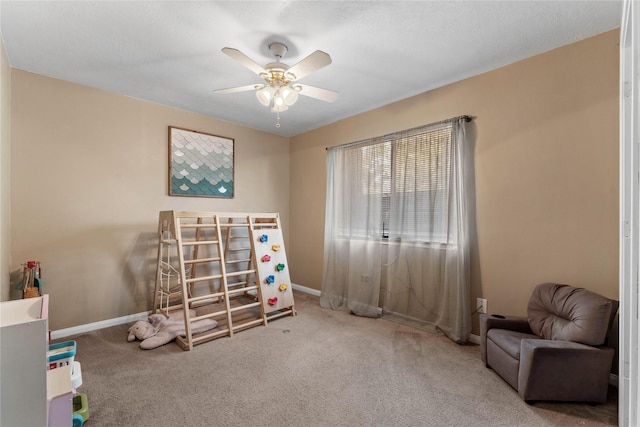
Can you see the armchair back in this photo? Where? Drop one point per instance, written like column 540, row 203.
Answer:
column 566, row 313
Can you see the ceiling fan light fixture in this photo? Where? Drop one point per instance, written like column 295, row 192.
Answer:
column 275, row 108
column 265, row 95
column 278, row 99
column 289, row 94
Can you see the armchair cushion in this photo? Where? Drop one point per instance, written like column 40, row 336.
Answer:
column 566, row 313
column 511, row 323
column 509, row 341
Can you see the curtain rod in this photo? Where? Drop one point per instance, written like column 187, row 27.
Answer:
column 466, row 118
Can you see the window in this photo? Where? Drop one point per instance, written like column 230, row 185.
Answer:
column 411, row 174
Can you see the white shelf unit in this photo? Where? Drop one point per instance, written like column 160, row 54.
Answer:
column 24, row 339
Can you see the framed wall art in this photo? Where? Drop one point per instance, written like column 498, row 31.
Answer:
column 200, row 164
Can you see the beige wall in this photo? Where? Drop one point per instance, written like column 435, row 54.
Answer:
column 89, row 176
column 5, row 172
column 546, row 168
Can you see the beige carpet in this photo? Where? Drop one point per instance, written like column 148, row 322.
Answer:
column 320, row 368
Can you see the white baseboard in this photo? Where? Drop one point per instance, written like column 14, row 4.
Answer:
column 475, row 339
column 306, row 289
column 89, row 327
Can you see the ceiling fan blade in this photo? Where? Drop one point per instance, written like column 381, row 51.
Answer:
column 244, row 60
column 239, row 89
column 318, row 93
column 311, row 63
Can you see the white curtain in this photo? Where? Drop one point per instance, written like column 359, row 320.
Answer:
column 353, row 229
column 396, row 228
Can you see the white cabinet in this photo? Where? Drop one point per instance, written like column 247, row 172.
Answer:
column 23, row 362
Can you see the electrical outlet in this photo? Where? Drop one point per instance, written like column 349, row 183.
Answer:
column 481, row 304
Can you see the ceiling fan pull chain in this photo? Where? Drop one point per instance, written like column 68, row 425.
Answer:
column 278, row 116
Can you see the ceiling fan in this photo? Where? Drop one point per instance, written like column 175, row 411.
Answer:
column 280, row 90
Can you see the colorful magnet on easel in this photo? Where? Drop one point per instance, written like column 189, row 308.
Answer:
column 264, row 238
column 265, row 258
column 283, row 287
column 273, row 300
column 270, row 279
column 280, row 267
column 275, row 248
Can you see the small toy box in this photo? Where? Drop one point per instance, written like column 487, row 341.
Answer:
column 61, row 354
column 80, row 409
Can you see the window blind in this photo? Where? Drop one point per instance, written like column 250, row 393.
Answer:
column 407, row 175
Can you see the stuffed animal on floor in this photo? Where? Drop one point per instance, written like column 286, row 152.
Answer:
column 141, row 330
column 159, row 330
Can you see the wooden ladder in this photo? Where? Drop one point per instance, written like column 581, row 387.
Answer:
column 238, row 250
column 209, row 267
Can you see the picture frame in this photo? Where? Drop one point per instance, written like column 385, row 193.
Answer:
column 200, row 164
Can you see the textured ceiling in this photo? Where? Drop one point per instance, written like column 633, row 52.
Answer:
column 169, row 52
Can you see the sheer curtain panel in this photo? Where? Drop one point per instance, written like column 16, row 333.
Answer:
column 353, row 229
column 396, row 228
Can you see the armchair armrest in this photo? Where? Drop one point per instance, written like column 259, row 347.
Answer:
column 489, row 321
column 563, row 370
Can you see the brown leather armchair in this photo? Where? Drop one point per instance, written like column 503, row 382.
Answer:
column 559, row 353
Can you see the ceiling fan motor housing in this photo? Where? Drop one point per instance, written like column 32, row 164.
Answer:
column 278, row 49
column 277, row 72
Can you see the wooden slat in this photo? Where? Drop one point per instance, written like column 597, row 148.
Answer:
column 201, row 260
column 241, row 290
column 223, row 215
column 237, row 261
column 200, row 279
column 208, row 315
column 171, row 308
column 195, row 225
column 199, row 242
column 244, row 307
column 198, row 339
column 205, row 302
column 247, row 325
column 278, row 314
column 240, row 273
column 204, row 297
column 204, row 337
column 236, row 284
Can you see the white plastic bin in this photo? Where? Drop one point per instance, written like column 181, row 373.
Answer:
column 61, row 354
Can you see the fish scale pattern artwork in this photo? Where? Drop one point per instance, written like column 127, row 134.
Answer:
column 201, row 164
